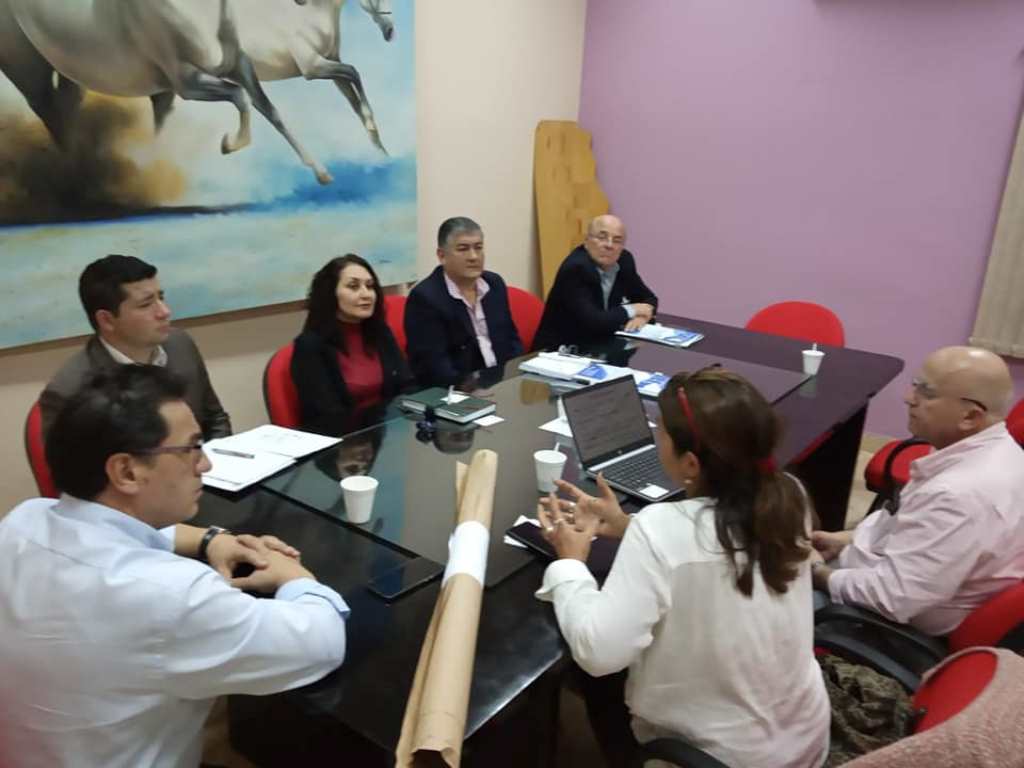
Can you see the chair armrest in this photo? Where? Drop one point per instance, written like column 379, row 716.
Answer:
column 933, row 649
column 1014, row 639
column 677, row 752
column 860, row 652
column 888, row 485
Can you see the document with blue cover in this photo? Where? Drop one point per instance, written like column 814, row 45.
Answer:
column 663, row 334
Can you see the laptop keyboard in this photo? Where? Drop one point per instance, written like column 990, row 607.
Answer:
column 638, row 472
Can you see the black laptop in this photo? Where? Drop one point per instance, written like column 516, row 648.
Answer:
column 613, row 437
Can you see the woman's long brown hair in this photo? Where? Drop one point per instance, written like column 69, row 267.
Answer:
column 733, row 431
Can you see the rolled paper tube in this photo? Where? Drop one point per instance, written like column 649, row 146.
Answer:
column 467, row 551
column 434, row 726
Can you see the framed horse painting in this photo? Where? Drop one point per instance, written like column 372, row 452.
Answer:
column 235, row 144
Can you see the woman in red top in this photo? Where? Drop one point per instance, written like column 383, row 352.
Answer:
column 346, row 362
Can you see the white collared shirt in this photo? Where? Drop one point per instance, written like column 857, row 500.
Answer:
column 159, row 354
column 113, row 648
column 733, row 675
column 957, row 539
column 476, row 317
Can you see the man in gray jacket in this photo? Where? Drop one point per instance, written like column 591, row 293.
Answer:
column 125, row 305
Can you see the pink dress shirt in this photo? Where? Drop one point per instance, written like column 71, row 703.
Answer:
column 957, row 539
column 476, row 317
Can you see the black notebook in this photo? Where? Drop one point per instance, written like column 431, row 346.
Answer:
column 461, row 408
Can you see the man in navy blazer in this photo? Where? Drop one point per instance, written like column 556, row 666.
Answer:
column 596, row 292
column 457, row 319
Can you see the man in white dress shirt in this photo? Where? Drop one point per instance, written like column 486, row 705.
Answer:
column 957, row 537
column 120, row 625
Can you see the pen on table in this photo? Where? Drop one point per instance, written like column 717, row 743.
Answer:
column 238, row 454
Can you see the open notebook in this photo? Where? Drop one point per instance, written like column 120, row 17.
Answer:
column 245, row 458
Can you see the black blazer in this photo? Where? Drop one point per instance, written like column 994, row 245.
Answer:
column 325, row 403
column 574, row 312
column 440, row 338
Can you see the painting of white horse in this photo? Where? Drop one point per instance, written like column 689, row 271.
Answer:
column 187, row 48
column 122, row 123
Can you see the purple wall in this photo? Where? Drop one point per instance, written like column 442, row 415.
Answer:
column 851, row 152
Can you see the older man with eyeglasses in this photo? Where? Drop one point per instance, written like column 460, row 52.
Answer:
column 596, row 292
column 957, row 535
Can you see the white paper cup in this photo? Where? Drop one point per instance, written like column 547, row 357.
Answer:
column 358, row 492
column 549, row 465
column 812, row 360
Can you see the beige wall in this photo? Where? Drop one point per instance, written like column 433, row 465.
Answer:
column 486, row 73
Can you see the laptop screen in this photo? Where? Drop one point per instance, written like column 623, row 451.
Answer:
column 607, row 419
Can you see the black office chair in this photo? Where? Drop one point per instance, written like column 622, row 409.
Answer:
column 904, row 653
column 862, row 636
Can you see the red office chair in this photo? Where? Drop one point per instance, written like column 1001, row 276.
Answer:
column 952, row 688
column 36, row 453
column 889, row 468
column 805, row 321
column 983, row 734
column 394, row 314
column 800, row 320
column 1015, row 422
column 903, row 652
column 526, row 313
column 279, row 395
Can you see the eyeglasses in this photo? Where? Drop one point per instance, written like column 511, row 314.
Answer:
column 926, row 391
column 196, row 446
column 606, row 238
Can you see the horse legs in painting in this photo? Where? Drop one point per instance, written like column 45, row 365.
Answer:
column 235, row 81
column 162, row 103
column 245, row 74
column 347, row 79
column 195, row 85
column 52, row 97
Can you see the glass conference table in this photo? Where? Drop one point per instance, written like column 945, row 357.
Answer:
column 519, row 648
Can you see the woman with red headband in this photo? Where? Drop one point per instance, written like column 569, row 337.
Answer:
column 708, row 603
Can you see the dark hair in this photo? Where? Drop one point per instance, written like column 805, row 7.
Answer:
column 322, row 304
column 99, row 286
column 760, row 511
column 115, row 412
column 454, row 226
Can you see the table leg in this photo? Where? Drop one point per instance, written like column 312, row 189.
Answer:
column 828, row 472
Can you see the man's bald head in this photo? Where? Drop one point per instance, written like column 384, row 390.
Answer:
column 959, row 392
column 976, row 374
column 606, row 236
column 606, row 222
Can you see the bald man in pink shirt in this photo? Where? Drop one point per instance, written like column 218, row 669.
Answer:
column 957, row 537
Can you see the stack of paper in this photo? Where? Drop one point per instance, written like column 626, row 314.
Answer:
column 247, row 457
column 586, row 371
column 664, row 334
column 556, row 366
column 650, row 384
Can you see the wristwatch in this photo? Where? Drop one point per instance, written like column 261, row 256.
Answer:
column 204, row 543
